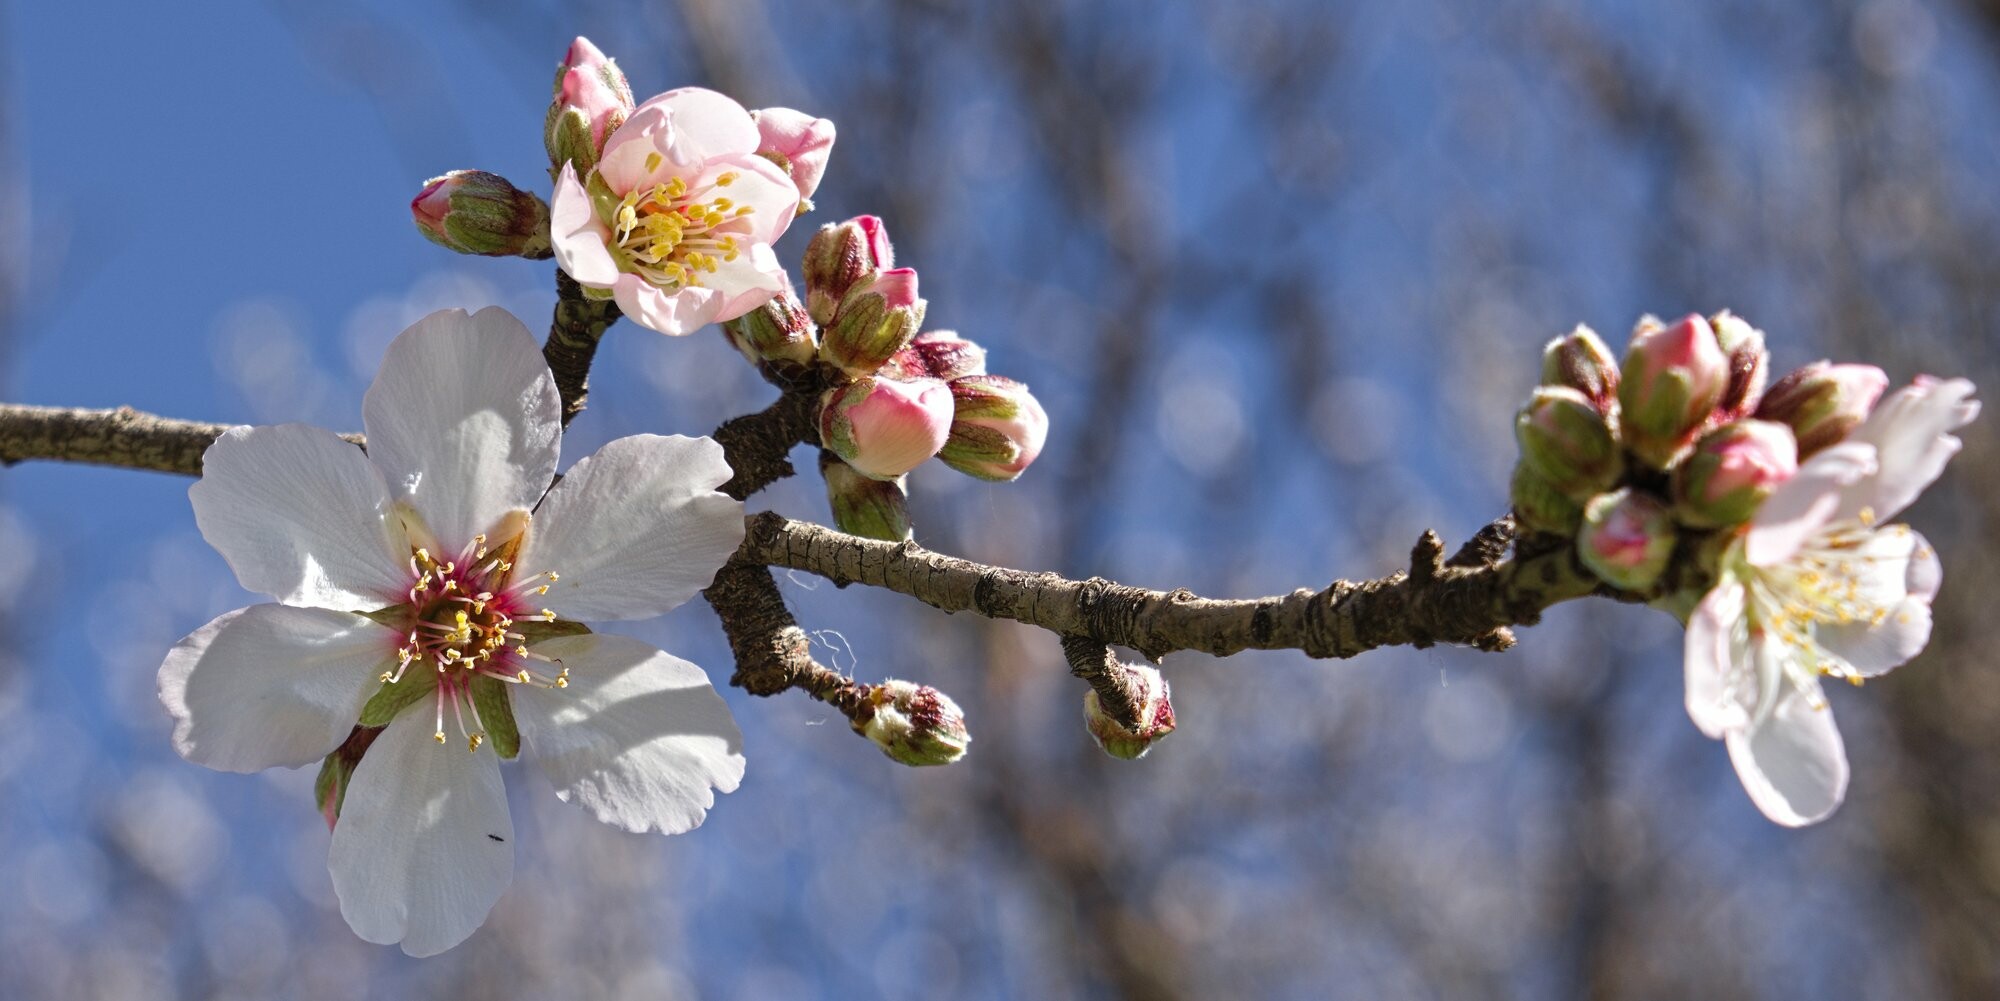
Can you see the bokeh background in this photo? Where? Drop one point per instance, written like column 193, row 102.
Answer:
column 1280, row 271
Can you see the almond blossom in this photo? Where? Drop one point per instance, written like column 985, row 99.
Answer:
column 677, row 218
column 432, row 584
column 1819, row 586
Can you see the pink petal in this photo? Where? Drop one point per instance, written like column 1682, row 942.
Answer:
column 1804, row 503
column 704, row 125
column 674, row 314
column 578, row 235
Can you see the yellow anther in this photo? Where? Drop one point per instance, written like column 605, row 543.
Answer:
column 472, row 742
column 553, row 576
column 725, row 179
column 387, row 676
column 721, row 204
column 548, row 614
column 438, row 736
column 523, row 676
column 653, row 161
column 744, row 211
column 1867, row 516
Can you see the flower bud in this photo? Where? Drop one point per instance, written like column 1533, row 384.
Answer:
column 1540, row 507
column 914, row 724
column 1156, row 715
column 776, row 332
column 870, row 508
column 1731, row 470
column 997, row 427
column 1568, row 442
column 1627, row 539
column 474, row 212
column 591, row 100
column 876, row 319
column 1822, row 402
column 885, row 427
column 941, row 354
column 1580, row 361
column 1672, row 379
column 1749, row 364
column 798, row 143
column 838, row 255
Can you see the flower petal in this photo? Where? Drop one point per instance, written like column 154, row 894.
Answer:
column 639, row 738
column 682, row 312
column 464, row 421
column 578, row 235
column 1911, row 433
column 1804, row 503
column 1793, row 765
column 1906, row 579
column 761, row 186
column 702, row 125
column 1721, row 681
column 301, row 516
column 636, row 529
column 424, row 846
column 271, row 686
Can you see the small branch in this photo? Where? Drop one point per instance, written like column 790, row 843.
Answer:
column 758, row 445
column 575, row 328
column 1439, row 603
column 772, row 652
column 128, row 438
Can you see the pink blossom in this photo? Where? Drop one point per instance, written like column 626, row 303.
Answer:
column 886, row 427
column 683, row 218
column 797, row 142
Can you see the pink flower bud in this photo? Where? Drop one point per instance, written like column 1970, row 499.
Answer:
column 798, row 143
column 1822, row 402
column 592, row 99
column 1568, row 442
column 870, row 508
column 997, row 430
column 838, row 256
column 1672, row 379
column 940, row 354
column 885, row 427
column 1732, row 470
column 879, row 315
column 1627, row 539
column 914, row 724
column 474, row 212
column 1156, row 715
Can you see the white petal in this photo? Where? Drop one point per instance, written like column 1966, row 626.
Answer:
column 464, row 421
column 1721, row 681
column 1803, row 504
column 577, row 235
column 673, row 314
column 1793, row 765
column 424, row 846
column 1911, row 432
column 1901, row 575
column 301, row 516
column 702, row 124
column 634, row 530
column 271, row 686
column 639, row 738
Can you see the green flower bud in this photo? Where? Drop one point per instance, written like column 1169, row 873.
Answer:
column 1568, row 442
column 1627, row 539
column 864, row 506
column 474, row 212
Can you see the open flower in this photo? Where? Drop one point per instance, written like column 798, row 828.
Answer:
column 431, row 585
column 1818, row 586
column 677, row 219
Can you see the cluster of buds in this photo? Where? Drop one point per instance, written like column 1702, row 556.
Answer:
column 913, row 724
column 1649, row 457
column 890, row 397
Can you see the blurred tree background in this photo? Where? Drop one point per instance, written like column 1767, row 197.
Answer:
column 1280, row 270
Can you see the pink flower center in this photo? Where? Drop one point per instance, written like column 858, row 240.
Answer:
column 464, row 620
column 671, row 235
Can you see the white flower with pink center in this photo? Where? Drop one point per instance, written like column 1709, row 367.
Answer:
column 677, row 219
column 1819, row 587
column 433, row 584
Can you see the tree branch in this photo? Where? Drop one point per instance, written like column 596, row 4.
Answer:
column 1470, row 598
column 576, row 327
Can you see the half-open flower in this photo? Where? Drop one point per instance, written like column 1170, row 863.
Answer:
column 1820, row 587
column 799, row 144
column 677, row 220
column 432, row 587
